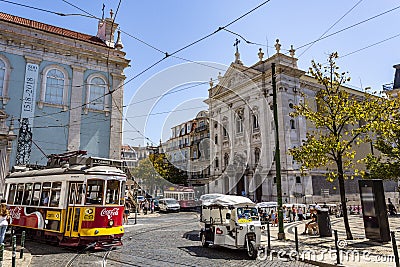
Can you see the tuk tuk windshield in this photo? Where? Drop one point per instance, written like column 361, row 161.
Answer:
column 247, row 215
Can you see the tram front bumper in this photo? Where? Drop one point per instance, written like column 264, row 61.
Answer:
column 117, row 230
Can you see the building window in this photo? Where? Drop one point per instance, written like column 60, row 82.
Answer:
column 274, row 179
column 225, row 132
column 55, row 82
column 96, row 98
column 5, row 69
column 216, row 162
column 239, row 122
column 54, row 91
column 291, row 105
column 292, row 124
column 226, row 160
column 97, row 93
column 216, row 139
column 255, row 122
column 298, row 180
column 256, row 155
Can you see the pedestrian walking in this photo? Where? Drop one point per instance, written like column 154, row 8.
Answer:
column 300, row 214
column 146, row 206
column 127, row 211
column 294, row 211
column 4, row 219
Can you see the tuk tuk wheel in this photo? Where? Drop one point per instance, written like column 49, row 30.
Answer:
column 204, row 242
column 252, row 250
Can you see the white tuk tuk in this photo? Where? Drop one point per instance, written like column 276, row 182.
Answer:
column 231, row 221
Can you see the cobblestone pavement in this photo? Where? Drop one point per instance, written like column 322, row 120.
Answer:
column 357, row 252
column 157, row 240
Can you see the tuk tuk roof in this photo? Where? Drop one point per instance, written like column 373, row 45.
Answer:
column 227, row 200
column 270, row 204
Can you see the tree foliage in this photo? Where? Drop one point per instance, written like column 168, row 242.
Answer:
column 341, row 121
column 167, row 170
column 386, row 165
column 156, row 170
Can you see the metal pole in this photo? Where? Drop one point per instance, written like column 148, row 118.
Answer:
column 281, row 233
column 12, row 233
column 21, row 252
column 136, row 207
column 396, row 252
column 337, row 247
column 1, row 254
column 269, row 237
column 296, row 240
column 14, row 248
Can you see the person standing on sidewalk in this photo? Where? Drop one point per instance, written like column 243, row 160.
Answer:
column 127, row 211
column 4, row 218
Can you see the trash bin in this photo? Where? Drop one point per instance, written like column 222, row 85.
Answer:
column 324, row 223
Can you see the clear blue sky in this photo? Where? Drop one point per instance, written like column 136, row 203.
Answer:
column 171, row 25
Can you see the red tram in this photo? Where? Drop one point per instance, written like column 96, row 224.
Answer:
column 184, row 195
column 76, row 204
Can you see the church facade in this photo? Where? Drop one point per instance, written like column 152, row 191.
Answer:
column 242, row 132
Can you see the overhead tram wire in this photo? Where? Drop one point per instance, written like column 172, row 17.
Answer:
column 333, row 25
column 159, row 61
column 349, row 27
column 220, row 28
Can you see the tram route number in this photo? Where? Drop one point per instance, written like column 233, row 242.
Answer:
column 88, row 214
column 53, row 215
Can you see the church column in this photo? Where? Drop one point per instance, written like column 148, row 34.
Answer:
column 78, row 87
column 116, row 116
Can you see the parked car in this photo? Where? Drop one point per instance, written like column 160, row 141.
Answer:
column 156, row 204
column 169, row 205
column 140, row 199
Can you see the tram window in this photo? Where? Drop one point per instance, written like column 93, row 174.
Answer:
column 112, row 193
column 44, row 198
column 11, row 193
column 20, row 193
column 55, row 194
column 28, row 194
column 122, row 194
column 94, row 192
column 36, row 194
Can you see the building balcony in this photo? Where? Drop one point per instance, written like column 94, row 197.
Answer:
column 201, row 128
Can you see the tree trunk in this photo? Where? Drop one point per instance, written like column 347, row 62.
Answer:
column 343, row 198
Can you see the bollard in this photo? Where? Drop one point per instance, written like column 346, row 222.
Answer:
column 1, row 254
column 296, row 240
column 14, row 248
column 269, row 237
column 395, row 251
column 21, row 252
column 12, row 233
column 337, row 247
column 136, row 214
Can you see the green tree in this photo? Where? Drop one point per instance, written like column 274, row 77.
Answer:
column 147, row 174
column 386, row 164
column 167, row 170
column 341, row 121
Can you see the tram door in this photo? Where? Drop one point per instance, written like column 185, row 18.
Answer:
column 73, row 214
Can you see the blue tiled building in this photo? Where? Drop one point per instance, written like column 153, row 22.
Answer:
column 68, row 86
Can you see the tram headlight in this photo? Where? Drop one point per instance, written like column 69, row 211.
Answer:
column 252, row 228
column 96, row 232
column 110, row 223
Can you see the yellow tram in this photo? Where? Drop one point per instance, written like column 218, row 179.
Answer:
column 77, row 203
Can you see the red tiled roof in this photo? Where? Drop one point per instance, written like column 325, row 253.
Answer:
column 50, row 28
